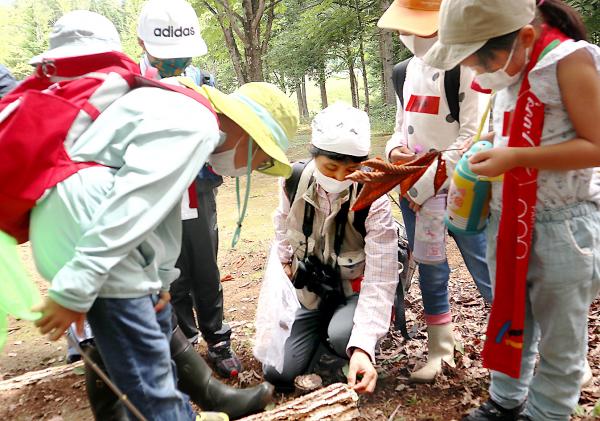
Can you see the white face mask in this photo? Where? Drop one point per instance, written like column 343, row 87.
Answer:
column 223, row 163
column 331, row 185
column 418, row 45
column 498, row 80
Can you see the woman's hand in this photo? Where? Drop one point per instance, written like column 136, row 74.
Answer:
column 56, row 319
column 493, row 162
column 360, row 364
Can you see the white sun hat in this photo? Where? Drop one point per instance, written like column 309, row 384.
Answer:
column 80, row 33
column 342, row 129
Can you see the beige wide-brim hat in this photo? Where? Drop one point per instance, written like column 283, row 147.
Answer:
column 418, row 17
column 263, row 111
column 466, row 25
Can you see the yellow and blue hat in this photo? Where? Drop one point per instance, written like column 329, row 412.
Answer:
column 266, row 113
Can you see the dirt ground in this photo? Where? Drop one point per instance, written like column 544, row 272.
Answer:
column 448, row 399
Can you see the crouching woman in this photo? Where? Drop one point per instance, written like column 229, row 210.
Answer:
column 342, row 263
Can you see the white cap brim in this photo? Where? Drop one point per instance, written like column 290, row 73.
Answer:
column 446, row 57
column 81, row 47
column 189, row 49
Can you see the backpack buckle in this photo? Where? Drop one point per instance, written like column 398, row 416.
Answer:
column 48, row 68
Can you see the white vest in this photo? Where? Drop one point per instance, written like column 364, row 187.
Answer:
column 351, row 260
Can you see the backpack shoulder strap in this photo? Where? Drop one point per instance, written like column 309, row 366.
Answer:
column 195, row 92
column 291, row 184
column 452, row 87
column 398, row 78
column 361, row 216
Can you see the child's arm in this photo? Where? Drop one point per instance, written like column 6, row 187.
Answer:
column 579, row 84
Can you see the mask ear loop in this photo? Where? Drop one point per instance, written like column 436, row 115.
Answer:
column 242, row 213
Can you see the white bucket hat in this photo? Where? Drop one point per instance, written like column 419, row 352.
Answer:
column 170, row 29
column 80, row 33
column 466, row 25
column 342, row 129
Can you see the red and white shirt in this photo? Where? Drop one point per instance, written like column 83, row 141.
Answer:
column 426, row 123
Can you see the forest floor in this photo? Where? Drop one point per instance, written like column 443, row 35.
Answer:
column 453, row 394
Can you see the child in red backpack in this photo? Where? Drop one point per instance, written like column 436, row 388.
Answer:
column 545, row 215
column 108, row 236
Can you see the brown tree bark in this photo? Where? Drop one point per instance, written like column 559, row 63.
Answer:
column 352, row 76
column 253, row 28
column 302, row 109
column 361, row 46
column 322, row 86
column 335, row 402
column 304, row 101
column 386, row 45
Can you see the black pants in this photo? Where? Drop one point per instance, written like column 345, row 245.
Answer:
column 199, row 285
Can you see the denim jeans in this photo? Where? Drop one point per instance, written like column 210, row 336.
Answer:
column 433, row 279
column 562, row 281
column 133, row 341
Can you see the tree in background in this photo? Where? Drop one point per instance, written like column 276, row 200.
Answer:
column 289, row 42
column 248, row 24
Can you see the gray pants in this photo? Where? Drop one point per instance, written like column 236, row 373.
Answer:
column 562, row 282
column 304, row 340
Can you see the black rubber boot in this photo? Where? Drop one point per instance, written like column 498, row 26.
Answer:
column 103, row 402
column 197, row 381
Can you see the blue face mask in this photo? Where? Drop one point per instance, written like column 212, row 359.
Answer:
column 169, row 67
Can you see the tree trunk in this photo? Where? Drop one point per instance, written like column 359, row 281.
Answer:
column 386, row 43
column 46, row 375
column 300, row 99
column 304, row 101
column 364, row 76
column 361, row 45
column 353, row 84
column 335, row 402
column 322, row 86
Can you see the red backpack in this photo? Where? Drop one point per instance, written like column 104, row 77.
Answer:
column 46, row 114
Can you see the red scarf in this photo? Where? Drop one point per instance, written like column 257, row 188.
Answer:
column 504, row 343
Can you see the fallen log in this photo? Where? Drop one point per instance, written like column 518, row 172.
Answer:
column 335, row 402
column 40, row 375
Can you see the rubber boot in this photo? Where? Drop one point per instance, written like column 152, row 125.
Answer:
column 588, row 376
column 103, row 402
column 440, row 344
column 196, row 380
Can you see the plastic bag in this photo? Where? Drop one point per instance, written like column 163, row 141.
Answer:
column 275, row 314
column 19, row 293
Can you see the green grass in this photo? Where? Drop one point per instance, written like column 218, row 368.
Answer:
column 338, row 89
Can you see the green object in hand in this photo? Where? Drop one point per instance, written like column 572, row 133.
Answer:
column 19, row 293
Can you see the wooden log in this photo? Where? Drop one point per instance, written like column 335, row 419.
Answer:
column 335, row 402
column 46, row 374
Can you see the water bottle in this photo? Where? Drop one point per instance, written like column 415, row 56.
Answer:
column 468, row 196
column 430, row 232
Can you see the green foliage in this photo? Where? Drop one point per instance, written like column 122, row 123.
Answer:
column 26, row 25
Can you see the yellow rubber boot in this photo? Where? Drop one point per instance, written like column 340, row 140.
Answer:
column 440, row 344
column 588, row 376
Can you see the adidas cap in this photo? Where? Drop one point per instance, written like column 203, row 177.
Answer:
column 170, row 29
